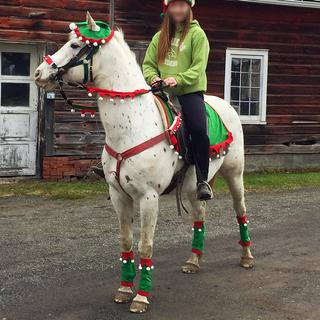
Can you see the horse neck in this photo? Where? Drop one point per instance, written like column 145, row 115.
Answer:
column 126, row 124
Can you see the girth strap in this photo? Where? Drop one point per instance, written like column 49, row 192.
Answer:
column 133, row 151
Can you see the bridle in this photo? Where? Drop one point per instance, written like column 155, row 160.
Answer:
column 85, row 58
column 78, row 60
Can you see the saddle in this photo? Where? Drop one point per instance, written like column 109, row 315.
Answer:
column 220, row 138
column 219, row 135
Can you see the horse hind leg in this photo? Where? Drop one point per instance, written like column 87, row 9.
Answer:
column 192, row 265
column 234, row 179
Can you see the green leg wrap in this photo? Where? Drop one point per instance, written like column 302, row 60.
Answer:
column 245, row 239
column 198, row 237
column 145, row 284
column 128, row 269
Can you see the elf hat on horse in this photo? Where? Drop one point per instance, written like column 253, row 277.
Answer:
column 138, row 160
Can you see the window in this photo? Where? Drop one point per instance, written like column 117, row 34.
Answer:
column 16, row 71
column 246, row 83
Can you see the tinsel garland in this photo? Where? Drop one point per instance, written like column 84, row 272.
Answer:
column 128, row 270
column 145, row 284
column 245, row 239
column 116, row 94
column 198, row 237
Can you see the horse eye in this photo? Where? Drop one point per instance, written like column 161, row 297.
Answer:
column 75, row 46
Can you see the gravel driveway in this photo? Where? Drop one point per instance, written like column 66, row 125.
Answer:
column 59, row 260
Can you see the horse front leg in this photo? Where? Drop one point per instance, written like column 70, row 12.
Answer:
column 124, row 208
column 149, row 207
column 192, row 265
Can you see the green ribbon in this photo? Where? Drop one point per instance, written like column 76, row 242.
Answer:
column 198, row 238
column 145, row 283
column 244, row 233
column 128, row 271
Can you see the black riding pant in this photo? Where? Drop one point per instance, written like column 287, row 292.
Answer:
column 194, row 114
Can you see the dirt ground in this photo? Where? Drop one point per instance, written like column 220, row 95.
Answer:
column 59, row 261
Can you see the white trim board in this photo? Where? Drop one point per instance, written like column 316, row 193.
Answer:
column 291, row 3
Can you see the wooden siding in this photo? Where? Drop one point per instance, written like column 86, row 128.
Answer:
column 291, row 34
column 47, row 22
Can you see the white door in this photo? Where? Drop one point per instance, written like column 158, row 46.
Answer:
column 18, row 110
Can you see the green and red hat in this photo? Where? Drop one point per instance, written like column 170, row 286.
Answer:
column 166, row 4
column 92, row 32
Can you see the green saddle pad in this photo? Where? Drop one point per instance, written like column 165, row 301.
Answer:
column 220, row 137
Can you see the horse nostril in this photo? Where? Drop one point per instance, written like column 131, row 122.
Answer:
column 37, row 74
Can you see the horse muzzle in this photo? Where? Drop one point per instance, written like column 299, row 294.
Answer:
column 45, row 80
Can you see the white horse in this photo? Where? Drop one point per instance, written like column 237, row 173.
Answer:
column 145, row 176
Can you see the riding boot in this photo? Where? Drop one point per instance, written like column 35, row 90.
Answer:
column 201, row 157
column 98, row 170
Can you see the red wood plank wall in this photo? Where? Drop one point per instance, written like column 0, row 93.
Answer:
column 291, row 34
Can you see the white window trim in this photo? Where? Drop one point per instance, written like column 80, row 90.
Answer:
column 242, row 52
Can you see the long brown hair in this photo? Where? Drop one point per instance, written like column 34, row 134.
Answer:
column 167, row 32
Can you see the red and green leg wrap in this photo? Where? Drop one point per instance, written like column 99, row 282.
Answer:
column 245, row 240
column 198, row 237
column 145, row 284
column 128, row 269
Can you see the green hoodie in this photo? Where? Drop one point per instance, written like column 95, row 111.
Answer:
column 187, row 64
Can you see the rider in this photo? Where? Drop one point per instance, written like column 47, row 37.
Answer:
column 178, row 55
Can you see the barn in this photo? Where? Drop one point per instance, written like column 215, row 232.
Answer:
column 265, row 60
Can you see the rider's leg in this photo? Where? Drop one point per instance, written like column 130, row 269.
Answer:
column 194, row 113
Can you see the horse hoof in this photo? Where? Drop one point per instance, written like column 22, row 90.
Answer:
column 247, row 262
column 190, row 268
column 123, row 297
column 138, row 307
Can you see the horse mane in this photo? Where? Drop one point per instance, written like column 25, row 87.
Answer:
column 119, row 36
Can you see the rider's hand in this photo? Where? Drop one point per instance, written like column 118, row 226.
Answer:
column 155, row 80
column 170, row 82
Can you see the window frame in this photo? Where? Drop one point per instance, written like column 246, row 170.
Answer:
column 33, row 91
column 262, row 54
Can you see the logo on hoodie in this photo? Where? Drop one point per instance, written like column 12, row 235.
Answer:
column 171, row 59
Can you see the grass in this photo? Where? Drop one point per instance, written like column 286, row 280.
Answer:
column 78, row 190
column 276, row 181
column 54, row 190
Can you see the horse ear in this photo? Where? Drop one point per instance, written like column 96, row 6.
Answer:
column 91, row 23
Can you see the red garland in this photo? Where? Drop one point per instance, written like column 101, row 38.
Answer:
column 127, row 284
column 242, row 220
column 223, row 145
column 198, row 224
column 196, row 251
column 116, row 94
column 143, row 293
column 145, row 262
column 245, row 244
column 127, row 255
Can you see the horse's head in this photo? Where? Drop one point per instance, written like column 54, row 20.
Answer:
column 67, row 64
